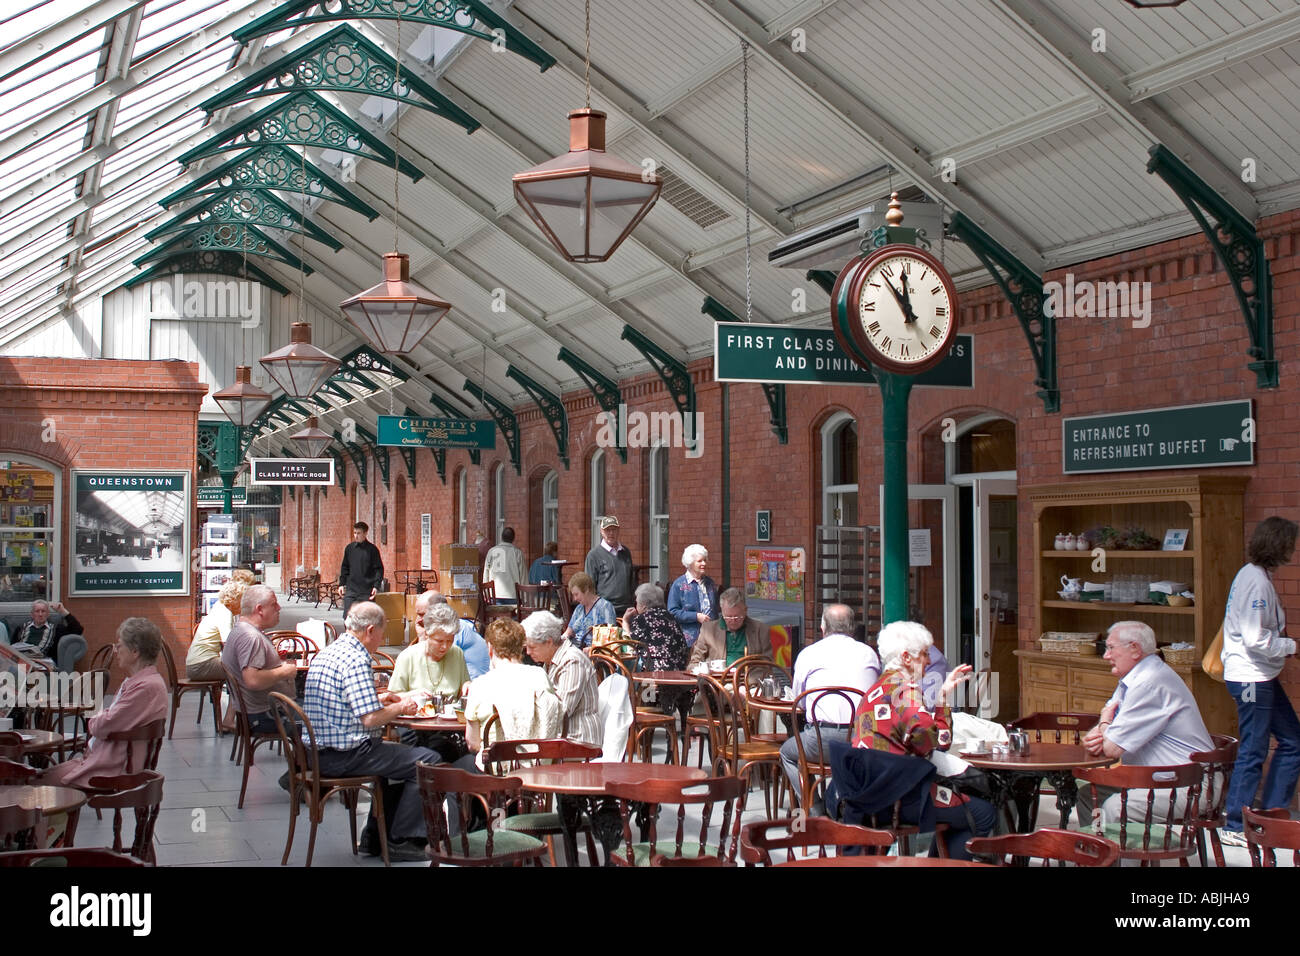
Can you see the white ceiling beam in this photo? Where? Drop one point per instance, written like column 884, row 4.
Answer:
column 1071, row 47
column 798, row 14
column 1209, row 58
column 27, row 51
column 893, row 144
column 1039, row 125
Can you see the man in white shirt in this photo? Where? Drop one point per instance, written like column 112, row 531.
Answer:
column 504, row 567
column 1150, row 721
column 837, row 660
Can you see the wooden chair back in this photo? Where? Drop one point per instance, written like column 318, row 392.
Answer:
column 1217, row 764
column 1166, row 835
column 724, row 723
column 531, row 597
column 166, row 664
column 11, row 745
column 723, row 792
column 758, row 840
column 298, row 739
column 15, row 774
column 102, row 658
column 78, row 857
column 1061, row 727
column 806, row 704
column 606, row 663
column 21, row 829
column 1270, row 830
column 491, row 795
column 143, row 744
column 292, row 646
column 507, row 755
column 1062, row 846
column 141, row 792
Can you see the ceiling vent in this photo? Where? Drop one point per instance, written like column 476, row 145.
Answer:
column 689, row 201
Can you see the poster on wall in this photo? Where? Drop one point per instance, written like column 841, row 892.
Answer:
column 426, row 542
column 132, row 533
column 774, row 574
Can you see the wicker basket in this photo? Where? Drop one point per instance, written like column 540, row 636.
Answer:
column 1184, row 655
column 1076, row 644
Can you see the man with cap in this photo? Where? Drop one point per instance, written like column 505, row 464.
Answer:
column 610, row 566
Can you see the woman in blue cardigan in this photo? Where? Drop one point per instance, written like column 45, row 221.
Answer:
column 693, row 598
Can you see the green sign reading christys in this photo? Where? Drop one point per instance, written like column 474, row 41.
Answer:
column 754, row 352
column 437, row 432
column 1184, row 436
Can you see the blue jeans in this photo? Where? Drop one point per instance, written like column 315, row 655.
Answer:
column 1269, row 713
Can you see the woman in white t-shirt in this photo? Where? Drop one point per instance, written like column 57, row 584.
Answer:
column 1255, row 647
column 521, row 694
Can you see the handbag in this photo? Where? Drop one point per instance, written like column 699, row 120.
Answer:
column 1212, row 662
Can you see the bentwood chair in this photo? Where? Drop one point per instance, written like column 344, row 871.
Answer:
column 535, row 816
column 531, row 597
column 1061, row 728
column 143, row 745
column 813, row 774
column 1269, row 830
column 758, row 840
column 1158, row 810
column 292, row 646
column 734, row 753
column 307, row 785
column 13, row 773
column 489, row 846
column 705, row 795
column 246, row 742
column 488, row 608
column 11, row 745
column 141, row 792
column 644, row 722
column 21, row 829
column 180, row 686
column 1062, row 846
column 1217, row 764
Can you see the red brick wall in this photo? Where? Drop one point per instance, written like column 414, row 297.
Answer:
column 1194, row 351
column 106, row 413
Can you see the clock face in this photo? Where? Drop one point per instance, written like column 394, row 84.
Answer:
column 901, row 309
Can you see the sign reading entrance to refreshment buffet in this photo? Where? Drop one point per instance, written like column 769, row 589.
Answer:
column 291, row 471
column 437, row 432
column 753, row 352
column 211, row 497
column 1183, row 436
column 132, row 533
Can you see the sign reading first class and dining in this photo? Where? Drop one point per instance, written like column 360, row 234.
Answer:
column 753, row 352
column 407, row 432
column 1182, row 436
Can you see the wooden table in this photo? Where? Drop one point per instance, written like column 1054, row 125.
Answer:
column 891, row 861
column 1018, row 777
column 580, row 787
column 50, row 801
column 435, row 725
column 40, row 741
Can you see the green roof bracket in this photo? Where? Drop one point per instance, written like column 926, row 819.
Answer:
column 245, row 207
column 1238, row 247
column 382, row 461
column 673, row 374
column 239, row 239
column 552, row 409
column 824, row 278
column 1025, row 291
column 470, row 18
column 774, row 392
column 440, row 461
column 213, row 261
column 504, row 416
column 341, row 61
column 358, row 456
column 606, row 392
column 475, row 454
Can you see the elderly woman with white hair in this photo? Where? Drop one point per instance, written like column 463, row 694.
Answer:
column 693, row 598
column 665, row 643
column 571, row 672
column 893, row 717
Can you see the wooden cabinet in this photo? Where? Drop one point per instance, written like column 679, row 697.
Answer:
column 1209, row 506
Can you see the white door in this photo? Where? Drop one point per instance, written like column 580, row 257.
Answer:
column 990, row 550
column 934, row 589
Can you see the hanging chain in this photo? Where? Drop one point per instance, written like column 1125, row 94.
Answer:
column 302, row 238
column 943, row 208
column 587, row 34
column 482, row 382
column 744, row 72
column 397, row 136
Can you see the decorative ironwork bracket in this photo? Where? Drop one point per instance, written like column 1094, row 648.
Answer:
column 440, row 454
column 270, row 166
column 673, row 374
column 408, row 454
column 504, row 416
column 440, row 461
column 774, row 392
column 229, row 238
column 365, row 359
column 606, row 392
column 434, row 13
column 303, row 119
column 358, row 456
column 1024, row 289
column 824, row 278
column 551, row 407
column 207, row 442
column 340, row 468
column 380, row 453
column 213, row 261
column 342, row 61
column 244, row 207
column 1240, row 250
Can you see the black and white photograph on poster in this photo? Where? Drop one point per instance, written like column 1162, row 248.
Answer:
column 132, row 532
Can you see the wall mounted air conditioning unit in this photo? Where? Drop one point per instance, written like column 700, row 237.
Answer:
column 832, row 244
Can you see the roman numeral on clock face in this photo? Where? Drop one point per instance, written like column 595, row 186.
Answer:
column 902, row 349
column 868, row 307
column 887, row 271
column 936, row 290
column 885, row 343
column 874, row 328
column 941, row 310
column 934, row 331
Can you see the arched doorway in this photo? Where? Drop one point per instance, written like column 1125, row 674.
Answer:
column 596, row 493
column 840, row 558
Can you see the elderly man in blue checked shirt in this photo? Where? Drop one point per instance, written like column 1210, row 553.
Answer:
column 345, row 710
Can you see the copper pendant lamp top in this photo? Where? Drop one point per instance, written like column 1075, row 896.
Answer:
column 243, row 401
column 311, row 441
column 397, row 313
column 300, row 368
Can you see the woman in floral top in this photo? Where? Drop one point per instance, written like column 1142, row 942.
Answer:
column 588, row 610
column 893, row 717
column 665, row 645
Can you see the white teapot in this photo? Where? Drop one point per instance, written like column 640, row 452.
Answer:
column 1071, row 584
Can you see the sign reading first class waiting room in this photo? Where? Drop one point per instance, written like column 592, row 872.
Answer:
column 1183, row 436
column 403, row 431
column 291, row 471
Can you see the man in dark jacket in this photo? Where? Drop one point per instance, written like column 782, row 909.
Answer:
column 610, row 566
column 362, row 568
column 45, row 634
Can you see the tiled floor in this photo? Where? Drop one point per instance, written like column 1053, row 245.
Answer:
column 200, row 824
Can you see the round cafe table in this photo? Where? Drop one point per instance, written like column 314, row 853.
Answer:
column 50, row 801
column 40, row 741
column 887, row 861
column 1017, row 777
column 580, row 787
column 434, row 725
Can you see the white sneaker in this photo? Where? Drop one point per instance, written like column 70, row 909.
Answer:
column 1232, row 838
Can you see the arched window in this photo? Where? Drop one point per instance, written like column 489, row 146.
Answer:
column 550, row 507
column 596, row 487
column 460, row 519
column 498, row 500
column 658, row 514
column 840, row 471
